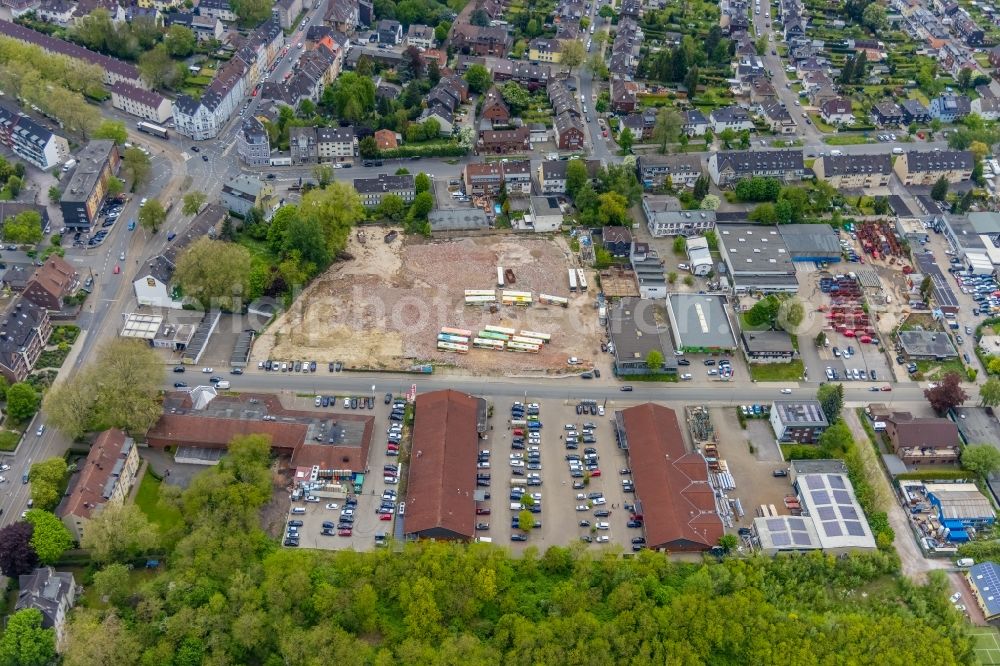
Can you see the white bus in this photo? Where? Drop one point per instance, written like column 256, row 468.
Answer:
column 465, row 333
column 572, row 279
column 453, row 347
column 480, row 300
column 548, row 299
column 480, row 292
column 457, row 339
column 500, row 329
column 523, row 347
column 544, row 337
column 500, row 280
column 581, row 279
column 517, row 297
column 484, row 343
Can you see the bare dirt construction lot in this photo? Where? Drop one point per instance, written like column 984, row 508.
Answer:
column 385, row 307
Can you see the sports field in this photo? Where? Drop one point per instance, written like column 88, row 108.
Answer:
column 987, row 645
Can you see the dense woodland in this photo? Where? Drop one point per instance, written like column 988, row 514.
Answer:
column 230, row 595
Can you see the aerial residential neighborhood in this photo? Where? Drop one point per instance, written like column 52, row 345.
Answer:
column 608, row 331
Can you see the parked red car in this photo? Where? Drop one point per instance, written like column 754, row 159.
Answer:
column 344, row 533
column 385, row 516
column 595, row 473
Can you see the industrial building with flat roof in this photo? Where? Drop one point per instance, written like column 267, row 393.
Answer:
column 441, row 486
column 926, row 345
column 756, row 258
column 672, row 486
column 811, row 242
column 984, row 579
column 634, row 332
column 801, row 421
column 829, row 500
column 699, row 323
column 960, row 506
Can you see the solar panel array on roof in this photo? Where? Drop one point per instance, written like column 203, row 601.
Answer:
column 986, row 577
column 854, row 528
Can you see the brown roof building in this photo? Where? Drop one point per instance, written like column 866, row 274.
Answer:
column 386, row 139
column 335, row 444
column 104, row 479
column 504, row 141
column 440, row 492
column 494, row 108
column 53, row 281
column 923, row 440
column 671, row 483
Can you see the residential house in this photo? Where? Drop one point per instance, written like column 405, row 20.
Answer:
column 923, row 440
column 767, row 346
column 663, row 218
column 51, row 592
column 24, row 330
column 728, row 167
column 56, row 12
column 731, row 117
column 386, row 139
column 699, row 256
column 372, row 190
column 762, row 91
column 886, row 113
column 545, row 215
column 421, row 36
column 623, row 95
column 204, row 27
column 286, row 11
column 994, row 57
column 695, row 123
column 813, row 80
column 799, row 421
column 854, row 171
column 569, row 131
column 220, row 9
column 252, row 143
column 444, row 117
column 641, row 124
column 822, row 94
column 503, row 142
column 322, row 144
column 949, row 108
column 552, row 174
column 494, row 108
column 777, row 118
column 141, row 103
column 682, row 170
column 30, row 141
column 914, row 112
column 837, row 112
column 242, row 193
column 517, row 176
column 343, row 16
column 544, row 50
column 84, row 192
column 987, row 104
column 970, row 31
column 617, row 241
column 485, row 178
column 52, row 282
column 105, row 479
column 484, row 41
column 915, row 167
column 389, row 32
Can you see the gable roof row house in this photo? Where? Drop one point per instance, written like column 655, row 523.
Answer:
column 625, row 48
column 728, row 167
column 478, row 40
column 486, row 178
column 30, row 141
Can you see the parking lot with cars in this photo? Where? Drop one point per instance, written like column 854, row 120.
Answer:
column 560, row 462
column 359, row 521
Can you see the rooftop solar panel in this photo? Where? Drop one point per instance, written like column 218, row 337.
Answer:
column 842, row 497
column 775, row 524
column 796, row 523
column 826, row 513
column 836, row 482
column 832, row 528
column 814, row 481
column 849, row 512
column 820, row 497
column 801, row 538
column 781, row 539
column 854, row 528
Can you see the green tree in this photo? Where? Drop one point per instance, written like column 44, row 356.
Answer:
column 115, row 186
column 763, row 213
column 710, row 202
column 576, row 176
column 606, row 12
column 251, row 13
column 981, row 459
column 612, row 210
column 672, row 277
column 478, row 78
column 23, row 228
column 180, row 41
column 728, row 543
column 668, row 127
column 215, row 273
column 50, row 538
column 25, row 642
column 831, row 399
column 323, row 173
column 654, row 360
column 22, row 401
column 792, row 313
column 422, row 205
column 113, row 582
column 152, row 215
column 137, row 166
column 572, row 54
column 54, row 194
column 193, row 201
column 989, row 393
column 874, row 18
column 689, row 280
column 422, row 182
column 118, row 533
column 625, row 140
column 111, row 129
column 368, row 147
column 700, row 188
column 516, row 97
column 392, row 207
column 763, row 311
column 157, row 68
column 525, row 519
column 47, row 478
column 680, row 245
column 940, row 190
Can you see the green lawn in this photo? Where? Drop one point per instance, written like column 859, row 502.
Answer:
column 820, row 125
column 845, row 139
column 777, row 372
column 937, row 369
column 9, row 440
column 147, row 499
column 987, row 645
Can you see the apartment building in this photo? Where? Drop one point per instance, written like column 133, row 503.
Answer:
column 372, row 190
column 30, row 141
column 141, row 103
column 84, row 194
column 854, row 171
column 925, row 167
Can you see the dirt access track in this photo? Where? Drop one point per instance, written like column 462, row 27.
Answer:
column 384, row 308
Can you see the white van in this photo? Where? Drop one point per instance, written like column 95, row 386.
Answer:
column 484, row 540
column 224, row 384
column 298, row 510
column 965, row 562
